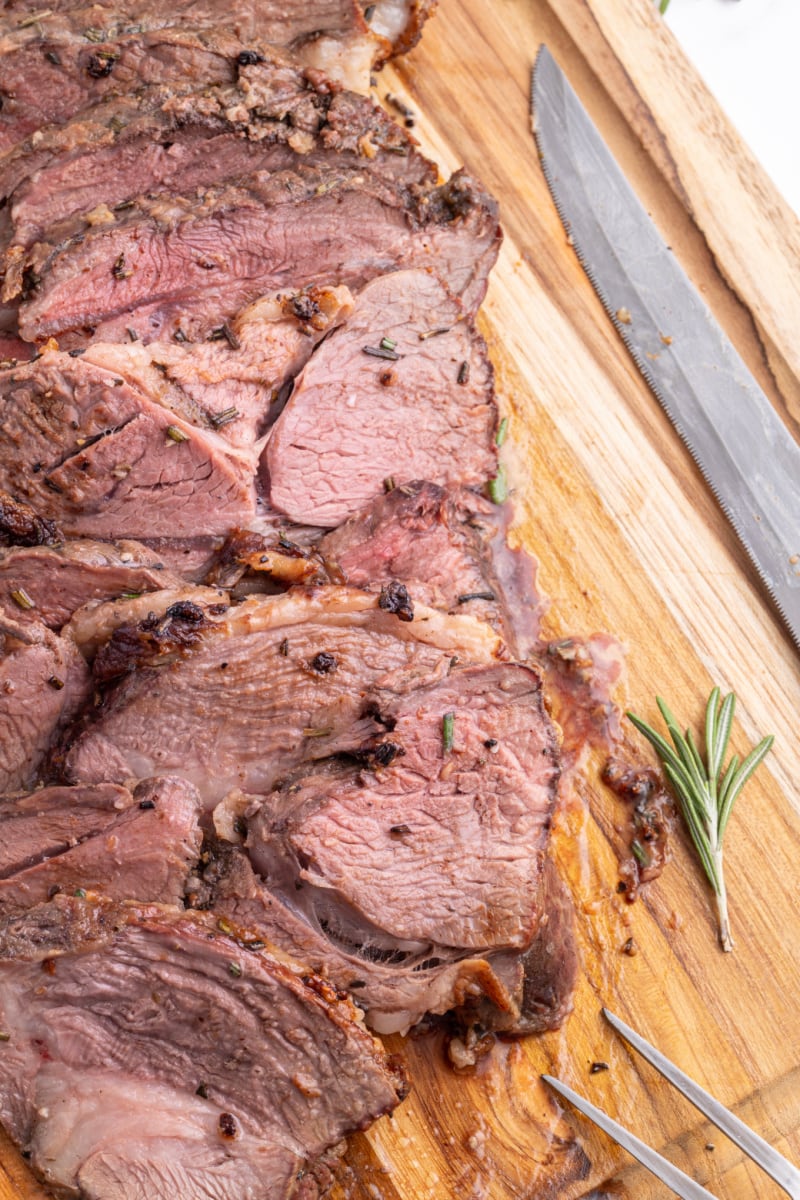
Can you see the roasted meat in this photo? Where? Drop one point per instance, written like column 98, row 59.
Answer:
column 151, row 1054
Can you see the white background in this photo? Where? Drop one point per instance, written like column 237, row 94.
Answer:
column 748, row 52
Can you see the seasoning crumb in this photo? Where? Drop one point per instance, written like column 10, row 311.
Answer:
column 381, row 351
column 623, row 315
column 323, row 663
column 630, row 948
column 597, row 1067
column 228, row 1126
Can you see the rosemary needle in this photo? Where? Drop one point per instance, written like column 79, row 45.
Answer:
column 706, row 791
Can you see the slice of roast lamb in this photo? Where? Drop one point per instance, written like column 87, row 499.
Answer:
column 448, row 547
column 408, row 876
column 44, row 682
column 163, row 440
column 60, row 579
column 41, row 824
column 331, row 36
column 127, row 846
column 171, row 263
column 237, row 381
column 430, row 538
column 48, row 76
column 150, row 1054
column 394, row 994
column 240, row 698
column 438, row 840
column 403, row 391
column 155, row 140
column 106, row 460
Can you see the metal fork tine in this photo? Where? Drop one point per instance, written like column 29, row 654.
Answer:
column 664, row 1170
column 775, row 1165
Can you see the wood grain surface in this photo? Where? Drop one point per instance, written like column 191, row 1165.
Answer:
column 628, row 540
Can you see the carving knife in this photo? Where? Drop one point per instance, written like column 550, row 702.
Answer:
column 743, row 449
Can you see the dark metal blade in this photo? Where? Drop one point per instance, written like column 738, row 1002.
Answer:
column 748, row 457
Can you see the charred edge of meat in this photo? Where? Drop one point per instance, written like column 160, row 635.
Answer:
column 380, row 755
column 231, row 561
column 394, row 598
column 145, row 642
column 452, row 201
column 279, row 559
column 20, row 526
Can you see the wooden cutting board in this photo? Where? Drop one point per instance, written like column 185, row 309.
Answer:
column 630, row 541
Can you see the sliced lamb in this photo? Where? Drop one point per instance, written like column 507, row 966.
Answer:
column 331, row 36
column 171, row 263
column 106, row 460
column 48, row 821
column 152, row 1055
column 155, row 140
column 163, row 440
column 58, row 580
column 431, row 539
column 127, row 846
column 284, row 23
column 395, row 991
column 448, row 547
column 403, row 391
column 240, row 698
column 47, row 77
column 438, row 841
column 425, row 862
column 44, row 682
column 238, row 380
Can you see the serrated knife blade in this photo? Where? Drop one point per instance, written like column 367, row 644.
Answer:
column 743, row 449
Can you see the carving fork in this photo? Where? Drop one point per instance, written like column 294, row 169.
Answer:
column 775, row 1165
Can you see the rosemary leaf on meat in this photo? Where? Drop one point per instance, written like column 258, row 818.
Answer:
column 705, row 789
column 502, row 433
column 448, row 731
column 21, row 598
column 497, row 488
column 175, row 434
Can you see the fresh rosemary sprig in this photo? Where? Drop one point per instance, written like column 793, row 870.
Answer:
column 706, row 791
column 663, row 6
